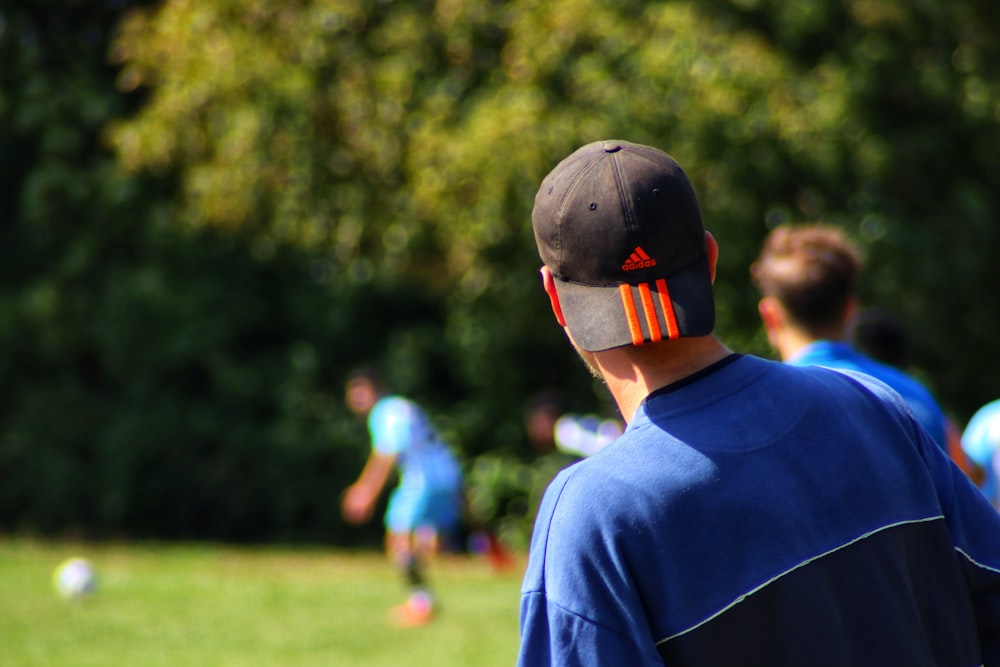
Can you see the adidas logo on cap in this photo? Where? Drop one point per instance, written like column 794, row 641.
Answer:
column 638, row 260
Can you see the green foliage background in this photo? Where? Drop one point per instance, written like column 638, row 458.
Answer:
column 212, row 211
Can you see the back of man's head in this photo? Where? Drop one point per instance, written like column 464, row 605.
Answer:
column 619, row 228
column 812, row 270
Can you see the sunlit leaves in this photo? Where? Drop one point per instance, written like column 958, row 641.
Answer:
column 234, row 103
column 398, row 130
column 410, row 137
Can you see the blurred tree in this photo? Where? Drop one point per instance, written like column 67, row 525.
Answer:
column 394, row 149
column 411, row 135
column 159, row 381
column 408, row 138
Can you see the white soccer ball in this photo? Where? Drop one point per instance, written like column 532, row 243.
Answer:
column 74, row 578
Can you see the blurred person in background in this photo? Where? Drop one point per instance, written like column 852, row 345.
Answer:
column 876, row 333
column 808, row 276
column 425, row 507
column 549, row 425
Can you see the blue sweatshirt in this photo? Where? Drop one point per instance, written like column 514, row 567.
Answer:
column 764, row 514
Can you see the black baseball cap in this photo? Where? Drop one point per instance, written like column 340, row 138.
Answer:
column 619, row 227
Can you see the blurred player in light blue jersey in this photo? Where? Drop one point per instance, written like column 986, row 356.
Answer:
column 981, row 441
column 425, row 507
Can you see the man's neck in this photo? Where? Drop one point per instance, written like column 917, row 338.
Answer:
column 632, row 373
column 792, row 341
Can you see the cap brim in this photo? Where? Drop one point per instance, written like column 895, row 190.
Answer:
column 598, row 318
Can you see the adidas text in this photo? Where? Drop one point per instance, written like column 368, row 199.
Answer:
column 633, row 264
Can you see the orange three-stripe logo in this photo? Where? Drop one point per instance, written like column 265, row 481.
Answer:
column 649, row 310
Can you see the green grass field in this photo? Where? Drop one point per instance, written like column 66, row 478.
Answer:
column 214, row 606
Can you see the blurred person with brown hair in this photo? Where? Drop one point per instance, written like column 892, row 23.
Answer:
column 808, row 276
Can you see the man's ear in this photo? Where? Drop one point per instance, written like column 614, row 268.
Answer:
column 712, row 248
column 550, row 288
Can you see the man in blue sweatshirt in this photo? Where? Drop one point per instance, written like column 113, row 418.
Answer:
column 753, row 512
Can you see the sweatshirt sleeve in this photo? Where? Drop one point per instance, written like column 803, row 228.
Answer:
column 975, row 529
column 575, row 609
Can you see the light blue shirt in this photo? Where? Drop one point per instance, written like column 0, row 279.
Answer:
column 981, row 441
column 399, row 427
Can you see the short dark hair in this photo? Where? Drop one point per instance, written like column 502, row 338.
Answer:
column 879, row 335
column 370, row 374
column 813, row 270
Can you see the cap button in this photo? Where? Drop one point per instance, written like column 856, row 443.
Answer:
column 611, row 147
